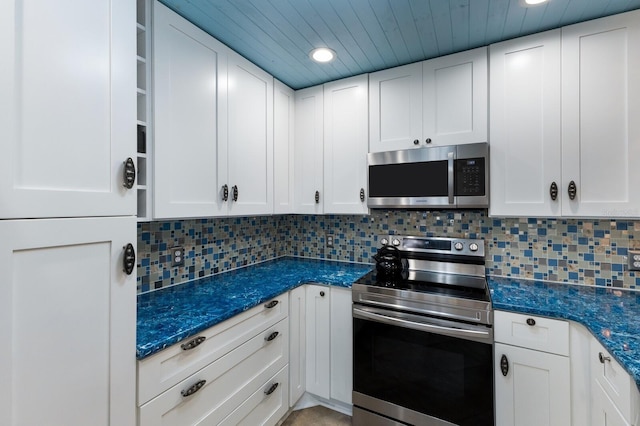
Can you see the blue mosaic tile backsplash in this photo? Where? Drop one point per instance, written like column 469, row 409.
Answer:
column 579, row 251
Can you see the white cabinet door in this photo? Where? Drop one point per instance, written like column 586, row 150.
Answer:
column 395, row 108
column 318, row 341
column 308, row 150
column 345, row 145
column 67, row 318
column 297, row 344
column 603, row 411
column 455, row 98
column 341, row 345
column 525, row 126
column 250, row 138
column 536, row 390
column 67, row 108
column 190, row 83
column 600, row 110
column 283, row 148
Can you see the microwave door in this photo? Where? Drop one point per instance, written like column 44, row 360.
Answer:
column 415, row 184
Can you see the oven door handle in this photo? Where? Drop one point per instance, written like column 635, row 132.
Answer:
column 485, row 336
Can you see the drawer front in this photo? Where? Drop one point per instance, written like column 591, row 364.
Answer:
column 263, row 408
column 230, row 380
column 160, row 371
column 532, row 332
column 613, row 379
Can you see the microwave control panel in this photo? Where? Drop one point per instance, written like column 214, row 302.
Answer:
column 470, row 177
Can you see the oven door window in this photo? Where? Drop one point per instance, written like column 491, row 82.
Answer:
column 444, row 377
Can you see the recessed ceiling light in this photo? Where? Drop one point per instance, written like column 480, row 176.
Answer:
column 533, row 2
column 322, row 54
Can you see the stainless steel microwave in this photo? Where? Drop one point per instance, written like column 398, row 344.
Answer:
column 454, row 176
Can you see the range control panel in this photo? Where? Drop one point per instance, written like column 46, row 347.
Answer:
column 450, row 246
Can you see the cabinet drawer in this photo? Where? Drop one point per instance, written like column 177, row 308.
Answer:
column 160, row 371
column 532, row 332
column 230, row 380
column 263, row 409
column 612, row 378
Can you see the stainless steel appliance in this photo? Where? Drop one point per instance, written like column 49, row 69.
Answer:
column 423, row 339
column 438, row 176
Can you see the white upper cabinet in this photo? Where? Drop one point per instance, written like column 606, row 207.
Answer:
column 395, row 108
column 308, row 150
column 67, row 108
column 441, row 101
column 283, row 148
column 455, row 98
column 600, row 110
column 345, row 145
column 190, row 83
column 525, row 125
column 564, row 136
column 250, row 138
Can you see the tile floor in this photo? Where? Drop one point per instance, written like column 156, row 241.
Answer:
column 317, row 416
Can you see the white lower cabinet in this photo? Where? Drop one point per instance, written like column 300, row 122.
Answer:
column 329, row 331
column 614, row 395
column 245, row 358
column 297, row 344
column 532, row 371
column 558, row 374
column 341, row 345
column 603, row 410
column 66, row 322
column 535, row 391
column 318, row 337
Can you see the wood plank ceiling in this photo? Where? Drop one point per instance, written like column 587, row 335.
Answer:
column 370, row 35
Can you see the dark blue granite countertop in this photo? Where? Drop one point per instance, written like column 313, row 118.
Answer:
column 169, row 315
column 611, row 314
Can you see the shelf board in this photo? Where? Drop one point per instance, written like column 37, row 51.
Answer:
column 141, row 28
column 141, row 60
column 142, row 123
column 141, row 92
column 142, row 155
column 142, row 187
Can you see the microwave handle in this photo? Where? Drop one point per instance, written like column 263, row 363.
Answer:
column 450, row 158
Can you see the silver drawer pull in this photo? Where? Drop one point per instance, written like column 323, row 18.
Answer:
column 603, row 358
column 272, row 389
column 271, row 304
column 193, row 389
column 192, row 343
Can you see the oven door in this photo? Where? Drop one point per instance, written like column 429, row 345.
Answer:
column 421, row 370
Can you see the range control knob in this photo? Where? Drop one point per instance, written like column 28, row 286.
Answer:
column 395, row 242
column 473, row 247
column 384, row 241
column 458, row 246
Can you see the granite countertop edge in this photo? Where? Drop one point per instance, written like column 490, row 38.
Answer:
column 607, row 313
column 168, row 316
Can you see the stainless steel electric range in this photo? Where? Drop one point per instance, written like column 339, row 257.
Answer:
column 423, row 336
